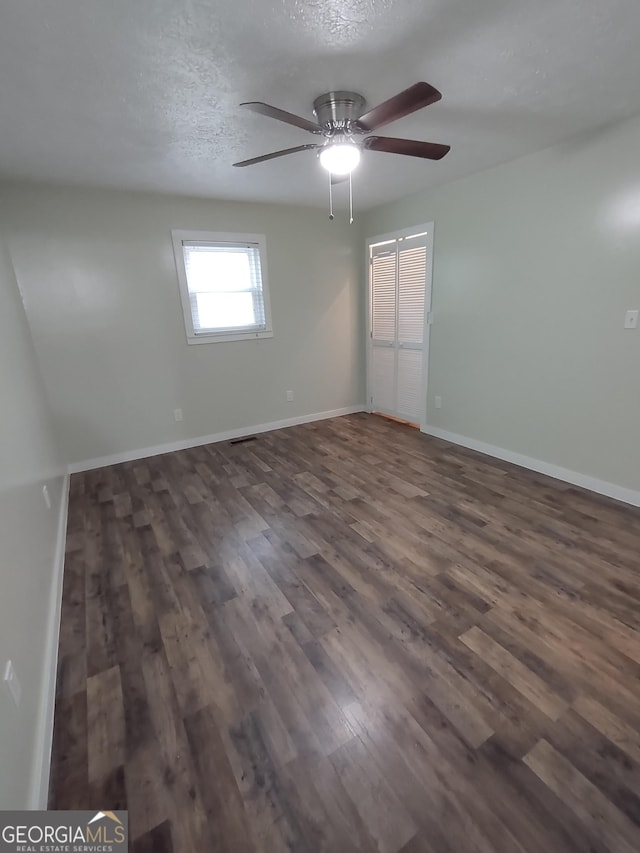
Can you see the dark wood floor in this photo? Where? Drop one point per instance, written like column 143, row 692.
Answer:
column 347, row 636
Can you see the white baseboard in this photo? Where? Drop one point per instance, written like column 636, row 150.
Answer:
column 185, row 444
column 602, row 487
column 39, row 791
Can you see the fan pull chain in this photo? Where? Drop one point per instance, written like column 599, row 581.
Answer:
column 330, row 198
column 350, row 200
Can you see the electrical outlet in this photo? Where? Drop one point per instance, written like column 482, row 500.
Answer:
column 631, row 319
column 289, row 396
column 438, row 402
column 46, row 496
column 12, row 684
column 177, row 414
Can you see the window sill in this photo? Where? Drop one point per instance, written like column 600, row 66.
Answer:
column 232, row 336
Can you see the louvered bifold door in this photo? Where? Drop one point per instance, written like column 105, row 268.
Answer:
column 412, row 276
column 384, row 314
column 398, row 277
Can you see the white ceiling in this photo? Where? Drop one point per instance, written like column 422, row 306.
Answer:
column 144, row 94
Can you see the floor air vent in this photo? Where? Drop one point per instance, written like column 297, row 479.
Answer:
column 242, row 440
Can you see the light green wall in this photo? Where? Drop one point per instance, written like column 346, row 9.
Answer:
column 99, row 276
column 535, row 263
column 28, row 460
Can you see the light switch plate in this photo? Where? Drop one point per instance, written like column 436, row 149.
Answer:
column 631, row 319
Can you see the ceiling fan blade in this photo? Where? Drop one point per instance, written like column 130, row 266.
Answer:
column 414, row 98
column 282, row 115
column 410, row 147
column 276, row 154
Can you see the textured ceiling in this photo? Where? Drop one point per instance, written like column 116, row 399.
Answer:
column 144, row 94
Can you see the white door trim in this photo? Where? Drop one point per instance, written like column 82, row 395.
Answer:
column 428, row 229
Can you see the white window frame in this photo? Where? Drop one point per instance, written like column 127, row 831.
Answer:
column 193, row 337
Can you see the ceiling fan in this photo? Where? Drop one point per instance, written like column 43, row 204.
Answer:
column 341, row 121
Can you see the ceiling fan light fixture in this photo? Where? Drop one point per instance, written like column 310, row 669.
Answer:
column 340, row 158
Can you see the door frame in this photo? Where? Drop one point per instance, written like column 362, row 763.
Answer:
column 428, row 229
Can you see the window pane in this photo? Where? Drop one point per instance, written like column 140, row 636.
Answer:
column 224, row 310
column 211, row 269
column 221, row 285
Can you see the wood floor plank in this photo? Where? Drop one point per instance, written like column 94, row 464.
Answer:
column 157, row 840
column 349, row 636
column 184, row 800
column 148, row 795
column 601, row 762
column 329, row 818
column 105, row 723
column 515, row 672
column 615, row 730
column 557, row 772
column 381, row 812
column 69, row 781
column 214, row 776
column 432, row 806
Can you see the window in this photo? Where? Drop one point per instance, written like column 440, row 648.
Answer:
column 223, row 286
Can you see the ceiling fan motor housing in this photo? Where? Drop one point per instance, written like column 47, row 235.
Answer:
column 338, row 110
